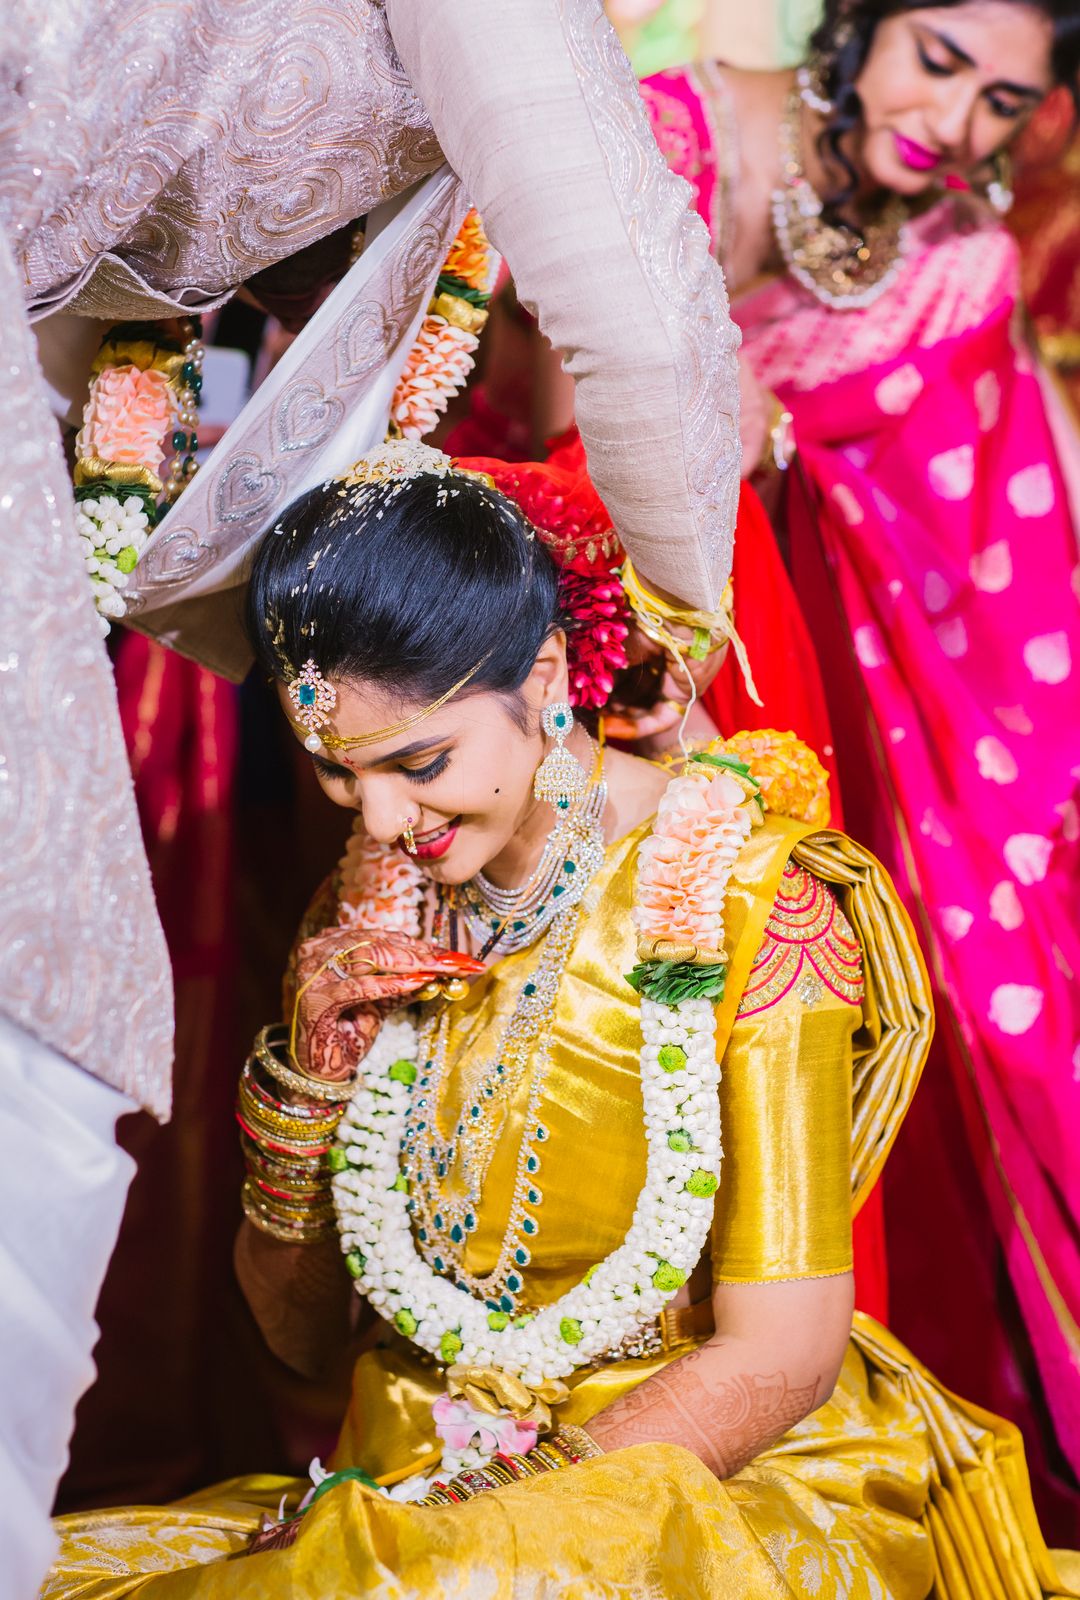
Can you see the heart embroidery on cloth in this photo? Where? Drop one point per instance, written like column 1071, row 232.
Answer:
column 898, row 392
column 1027, row 856
column 1015, row 1007
column 1047, row 657
column 1030, row 492
column 1005, row 907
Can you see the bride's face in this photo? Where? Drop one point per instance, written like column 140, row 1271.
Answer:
column 945, row 87
column 462, row 775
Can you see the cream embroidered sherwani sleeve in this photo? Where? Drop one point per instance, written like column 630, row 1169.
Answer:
column 535, row 107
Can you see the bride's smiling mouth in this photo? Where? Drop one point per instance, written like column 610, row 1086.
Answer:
column 435, row 843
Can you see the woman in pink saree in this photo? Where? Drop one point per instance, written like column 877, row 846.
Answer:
column 933, row 547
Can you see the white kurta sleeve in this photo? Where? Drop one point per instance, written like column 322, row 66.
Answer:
column 535, row 106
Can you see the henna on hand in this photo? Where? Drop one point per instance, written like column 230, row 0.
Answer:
column 725, row 1420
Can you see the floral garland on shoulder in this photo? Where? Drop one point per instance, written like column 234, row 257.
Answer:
column 512, row 1367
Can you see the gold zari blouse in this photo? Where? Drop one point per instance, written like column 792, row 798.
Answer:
column 888, row 1488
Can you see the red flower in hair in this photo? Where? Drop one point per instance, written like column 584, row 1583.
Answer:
column 559, row 500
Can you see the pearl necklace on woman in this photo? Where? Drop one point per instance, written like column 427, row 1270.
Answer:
column 573, row 852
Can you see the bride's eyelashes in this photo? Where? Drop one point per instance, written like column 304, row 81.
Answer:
column 433, row 770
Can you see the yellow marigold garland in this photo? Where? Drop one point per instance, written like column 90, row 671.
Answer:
column 793, row 781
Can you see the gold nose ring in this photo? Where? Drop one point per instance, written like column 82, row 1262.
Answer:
column 408, row 836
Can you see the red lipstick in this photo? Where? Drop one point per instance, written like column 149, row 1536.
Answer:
column 916, row 156
column 429, row 847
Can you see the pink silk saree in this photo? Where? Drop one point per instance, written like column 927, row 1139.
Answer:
column 934, row 550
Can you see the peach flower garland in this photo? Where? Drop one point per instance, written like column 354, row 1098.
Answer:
column 444, row 354
column 703, row 822
column 144, row 397
column 378, row 886
column 127, row 417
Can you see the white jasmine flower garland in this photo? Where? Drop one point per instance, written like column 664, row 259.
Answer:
column 679, row 1076
column 113, row 534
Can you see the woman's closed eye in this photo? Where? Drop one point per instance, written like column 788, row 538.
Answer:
column 1006, row 108
column 433, row 770
column 331, row 769
column 939, row 68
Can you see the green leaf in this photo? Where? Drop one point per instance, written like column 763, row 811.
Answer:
column 671, row 982
column 449, row 284
column 732, row 763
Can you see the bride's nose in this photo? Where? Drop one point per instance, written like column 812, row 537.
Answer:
column 386, row 807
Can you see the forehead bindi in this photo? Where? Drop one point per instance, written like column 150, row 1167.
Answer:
column 1004, row 43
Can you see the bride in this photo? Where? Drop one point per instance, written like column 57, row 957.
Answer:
column 586, row 1064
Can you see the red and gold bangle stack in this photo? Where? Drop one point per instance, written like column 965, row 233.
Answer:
column 287, row 1189
column 564, row 1449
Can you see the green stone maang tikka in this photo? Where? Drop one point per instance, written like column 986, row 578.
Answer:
column 313, row 700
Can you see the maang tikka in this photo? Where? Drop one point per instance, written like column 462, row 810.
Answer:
column 560, row 778
column 313, row 700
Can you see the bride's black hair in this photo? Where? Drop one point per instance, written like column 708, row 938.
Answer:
column 842, row 43
column 404, row 586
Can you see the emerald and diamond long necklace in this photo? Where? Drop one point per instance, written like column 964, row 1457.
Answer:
column 443, row 1220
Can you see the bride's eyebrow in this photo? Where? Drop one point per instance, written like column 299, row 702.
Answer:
column 418, row 747
column 1025, row 90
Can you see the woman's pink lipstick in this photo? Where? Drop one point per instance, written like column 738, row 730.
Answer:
column 915, row 156
column 436, row 844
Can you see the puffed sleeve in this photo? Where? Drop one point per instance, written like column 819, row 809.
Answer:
column 784, row 1206
column 535, row 106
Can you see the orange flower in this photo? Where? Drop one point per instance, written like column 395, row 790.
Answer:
column 793, row 781
column 127, row 417
column 470, row 254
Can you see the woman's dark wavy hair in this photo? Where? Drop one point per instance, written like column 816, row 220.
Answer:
column 842, row 44
column 404, row 587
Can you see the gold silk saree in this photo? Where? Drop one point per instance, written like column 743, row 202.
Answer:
column 892, row 1488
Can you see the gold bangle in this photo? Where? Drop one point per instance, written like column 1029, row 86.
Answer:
column 265, row 1130
column 289, row 1190
column 266, row 1221
column 324, row 1125
column 287, row 1216
column 289, row 1077
column 267, row 1093
column 299, row 1169
column 579, row 1444
column 436, row 1497
column 779, row 446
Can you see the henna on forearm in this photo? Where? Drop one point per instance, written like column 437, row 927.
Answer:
column 724, row 1419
